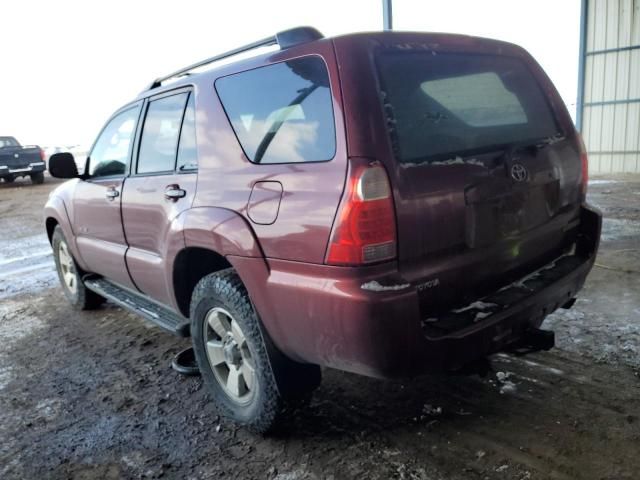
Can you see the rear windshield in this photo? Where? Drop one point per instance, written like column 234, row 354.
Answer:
column 444, row 105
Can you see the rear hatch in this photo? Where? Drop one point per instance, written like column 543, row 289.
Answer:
column 483, row 160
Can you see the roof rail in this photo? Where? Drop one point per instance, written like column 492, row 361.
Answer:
column 285, row 39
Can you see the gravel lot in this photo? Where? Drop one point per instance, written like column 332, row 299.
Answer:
column 92, row 395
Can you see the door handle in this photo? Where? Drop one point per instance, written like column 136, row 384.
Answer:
column 112, row 193
column 174, row 192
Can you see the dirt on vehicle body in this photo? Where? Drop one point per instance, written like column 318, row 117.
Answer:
column 252, row 208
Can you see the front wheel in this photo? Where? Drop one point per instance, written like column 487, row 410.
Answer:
column 9, row 179
column 235, row 361
column 78, row 295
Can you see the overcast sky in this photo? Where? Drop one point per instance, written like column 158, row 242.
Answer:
column 67, row 65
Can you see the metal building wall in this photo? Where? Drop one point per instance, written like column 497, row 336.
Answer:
column 609, row 88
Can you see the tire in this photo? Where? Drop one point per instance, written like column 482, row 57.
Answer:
column 37, row 178
column 9, row 179
column 70, row 275
column 227, row 337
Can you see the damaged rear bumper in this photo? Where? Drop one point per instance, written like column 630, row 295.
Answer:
column 509, row 318
column 353, row 319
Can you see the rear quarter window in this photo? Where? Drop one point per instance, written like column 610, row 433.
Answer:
column 448, row 104
column 282, row 113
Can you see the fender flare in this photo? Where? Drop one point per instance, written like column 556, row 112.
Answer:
column 218, row 230
column 56, row 209
column 221, row 230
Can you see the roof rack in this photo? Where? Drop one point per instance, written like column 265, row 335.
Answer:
column 285, row 39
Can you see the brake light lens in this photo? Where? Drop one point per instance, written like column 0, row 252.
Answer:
column 42, row 155
column 585, row 167
column 365, row 228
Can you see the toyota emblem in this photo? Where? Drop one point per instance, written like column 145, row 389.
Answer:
column 519, row 173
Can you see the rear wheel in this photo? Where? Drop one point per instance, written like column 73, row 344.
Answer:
column 9, row 179
column 238, row 365
column 37, row 178
column 70, row 277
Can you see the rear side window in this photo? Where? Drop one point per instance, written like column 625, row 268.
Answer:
column 160, row 134
column 187, row 154
column 445, row 105
column 282, row 113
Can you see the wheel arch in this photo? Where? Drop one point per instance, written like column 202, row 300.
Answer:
column 56, row 214
column 50, row 224
column 189, row 267
column 211, row 235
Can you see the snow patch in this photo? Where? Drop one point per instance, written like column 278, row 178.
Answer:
column 521, row 283
column 551, row 140
column 374, row 286
column 451, row 161
column 531, row 363
column 603, row 182
column 478, row 305
column 481, row 315
column 428, row 409
column 506, row 385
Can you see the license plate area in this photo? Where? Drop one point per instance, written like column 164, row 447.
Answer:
column 492, row 218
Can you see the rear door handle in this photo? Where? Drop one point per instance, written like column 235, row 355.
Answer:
column 112, row 193
column 174, row 192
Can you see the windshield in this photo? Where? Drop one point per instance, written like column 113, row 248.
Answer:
column 8, row 142
column 444, row 105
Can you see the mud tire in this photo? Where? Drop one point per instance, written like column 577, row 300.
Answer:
column 82, row 298
column 270, row 402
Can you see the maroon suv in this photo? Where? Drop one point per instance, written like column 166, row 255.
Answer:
column 389, row 204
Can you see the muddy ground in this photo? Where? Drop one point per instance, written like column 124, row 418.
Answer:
column 91, row 395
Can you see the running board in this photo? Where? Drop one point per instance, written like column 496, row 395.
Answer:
column 138, row 303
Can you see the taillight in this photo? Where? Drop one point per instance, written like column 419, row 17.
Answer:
column 365, row 227
column 584, row 180
column 42, row 155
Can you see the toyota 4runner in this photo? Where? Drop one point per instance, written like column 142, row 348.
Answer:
column 388, row 204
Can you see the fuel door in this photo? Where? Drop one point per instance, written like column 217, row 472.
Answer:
column 264, row 202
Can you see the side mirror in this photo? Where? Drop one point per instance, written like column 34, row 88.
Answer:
column 63, row 165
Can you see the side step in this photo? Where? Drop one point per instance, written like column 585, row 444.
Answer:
column 138, row 303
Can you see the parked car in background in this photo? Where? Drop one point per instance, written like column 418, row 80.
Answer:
column 18, row 161
column 388, row 204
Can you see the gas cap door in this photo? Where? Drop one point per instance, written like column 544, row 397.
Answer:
column 264, row 202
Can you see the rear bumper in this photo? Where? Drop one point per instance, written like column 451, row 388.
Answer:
column 336, row 317
column 34, row 167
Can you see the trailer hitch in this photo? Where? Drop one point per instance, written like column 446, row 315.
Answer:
column 533, row 340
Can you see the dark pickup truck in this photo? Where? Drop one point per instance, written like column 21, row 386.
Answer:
column 18, row 161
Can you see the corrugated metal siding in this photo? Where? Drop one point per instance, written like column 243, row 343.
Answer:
column 611, row 83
